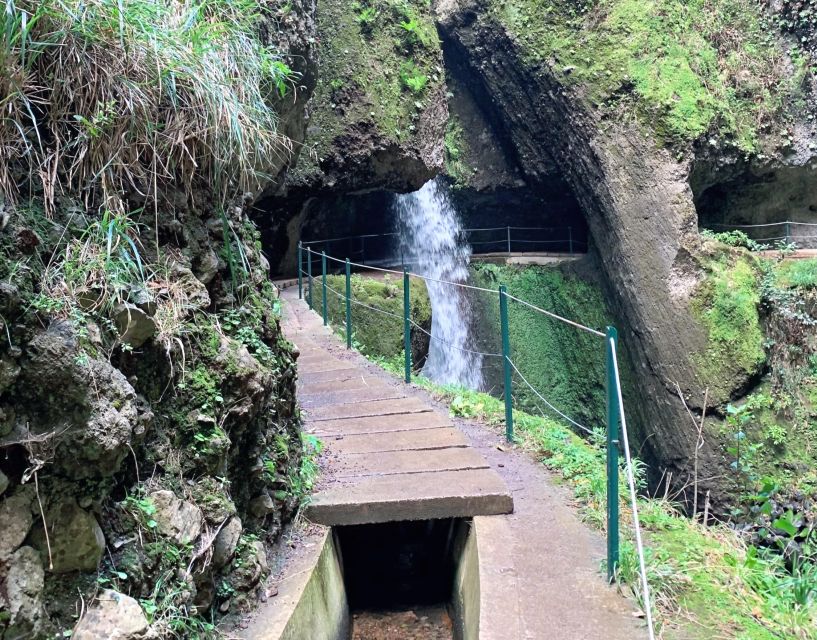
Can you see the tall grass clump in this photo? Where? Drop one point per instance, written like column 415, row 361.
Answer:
column 113, row 97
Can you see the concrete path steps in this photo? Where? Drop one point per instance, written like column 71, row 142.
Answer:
column 539, row 566
column 389, row 455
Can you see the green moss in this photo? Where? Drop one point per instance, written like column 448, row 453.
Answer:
column 704, row 582
column 380, row 59
column 456, row 153
column 685, row 66
column 726, row 303
column 374, row 334
column 563, row 364
column 797, row 274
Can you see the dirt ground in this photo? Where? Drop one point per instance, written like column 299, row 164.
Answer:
column 422, row 623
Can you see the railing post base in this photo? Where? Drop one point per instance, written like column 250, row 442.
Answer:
column 300, row 271
column 309, row 276
column 323, row 288
column 348, row 304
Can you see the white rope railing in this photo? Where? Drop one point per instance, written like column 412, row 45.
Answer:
column 639, row 545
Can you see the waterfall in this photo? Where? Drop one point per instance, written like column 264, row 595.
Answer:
column 432, row 239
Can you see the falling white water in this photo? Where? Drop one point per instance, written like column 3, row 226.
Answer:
column 432, row 240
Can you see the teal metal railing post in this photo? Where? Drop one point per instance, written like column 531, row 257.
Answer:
column 788, row 232
column 309, row 275
column 506, row 360
column 509, row 240
column 323, row 286
column 407, row 322
column 348, row 304
column 613, row 422
column 300, row 271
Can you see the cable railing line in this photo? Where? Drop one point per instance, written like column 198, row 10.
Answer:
column 549, row 405
column 556, row 316
column 567, row 237
column 466, row 286
column 616, row 420
column 338, row 239
column 764, row 224
column 453, row 346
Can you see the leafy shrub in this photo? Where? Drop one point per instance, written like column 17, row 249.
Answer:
column 734, row 238
column 413, row 78
column 365, row 16
column 456, row 149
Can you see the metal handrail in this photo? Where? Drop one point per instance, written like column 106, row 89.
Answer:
column 616, row 420
column 507, row 240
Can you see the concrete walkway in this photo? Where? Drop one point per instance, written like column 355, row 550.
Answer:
column 539, row 567
column 389, row 455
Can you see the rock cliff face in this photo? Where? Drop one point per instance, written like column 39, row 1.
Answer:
column 377, row 118
column 637, row 195
column 578, row 114
column 150, row 441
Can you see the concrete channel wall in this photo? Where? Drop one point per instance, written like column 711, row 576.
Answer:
column 312, row 601
column 465, row 594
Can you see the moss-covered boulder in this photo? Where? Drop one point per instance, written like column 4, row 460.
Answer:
column 727, row 303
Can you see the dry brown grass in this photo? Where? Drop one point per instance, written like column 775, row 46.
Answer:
column 105, row 102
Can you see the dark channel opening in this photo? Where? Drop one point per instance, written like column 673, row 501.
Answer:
column 399, row 578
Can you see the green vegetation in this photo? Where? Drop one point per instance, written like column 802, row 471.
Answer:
column 734, row 238
column 131, row 132
column 170, row 90
column 374, row 334
column 456, row 153
column 412, row 78
column 563, row 364
column 705, row 581
column 727, row 304
column 380, row 61
column 797, row 274
column 685, row 67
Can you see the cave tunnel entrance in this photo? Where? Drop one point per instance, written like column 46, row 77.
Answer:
column 363, row 226
column 770, row 207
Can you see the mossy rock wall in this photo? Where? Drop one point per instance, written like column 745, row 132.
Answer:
column 565, row 365
column 727, row 303
column 670, row 63
column 194, row 395
column 377, row 313
column 150, row 440
column 379, row 108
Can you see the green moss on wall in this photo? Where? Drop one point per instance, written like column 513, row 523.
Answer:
column 374, row 333
column 380, row 62
column 564, row 364
column 685, row 66
column 456, row 153
column 727, row 304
